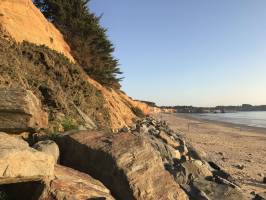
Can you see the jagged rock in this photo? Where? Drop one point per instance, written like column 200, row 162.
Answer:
column 168, row 140
column 260, row 196
column 20, row 163
column 215, row 191
column 70, row 184
column 200, row 179
column 49, row 147
column 20, row 111
column 197, row 168
column 127, row 164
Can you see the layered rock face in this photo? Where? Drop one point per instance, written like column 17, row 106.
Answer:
column 23, row 21
column 70, row 184
column 125, row 163
column 20, row 110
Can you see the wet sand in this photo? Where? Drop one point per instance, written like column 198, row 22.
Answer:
column 231, row 146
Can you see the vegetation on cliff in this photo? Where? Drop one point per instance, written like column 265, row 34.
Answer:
column 89, row 43
column 60, row 85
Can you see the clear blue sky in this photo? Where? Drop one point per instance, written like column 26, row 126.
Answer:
column 189, row 52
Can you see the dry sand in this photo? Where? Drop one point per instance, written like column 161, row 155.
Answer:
column 230, row 146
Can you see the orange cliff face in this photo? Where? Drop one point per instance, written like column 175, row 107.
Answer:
column 23, row 21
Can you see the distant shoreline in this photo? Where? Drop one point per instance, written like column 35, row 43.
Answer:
column 227, row 124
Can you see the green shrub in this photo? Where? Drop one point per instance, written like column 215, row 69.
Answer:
column 69, row 124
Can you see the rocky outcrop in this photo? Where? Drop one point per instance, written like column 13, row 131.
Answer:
column 20, row 110
column 126, row 163
column 23, row 21
column 70, row 184
column 48, row 147
column 200, row 180
column 20, row 163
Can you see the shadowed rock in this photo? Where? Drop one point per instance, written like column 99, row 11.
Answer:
column 20, row 110
column 127, row 164
column 70, row 184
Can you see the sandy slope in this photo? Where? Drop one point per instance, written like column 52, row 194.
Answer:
column 227, row 145
column 23, row 21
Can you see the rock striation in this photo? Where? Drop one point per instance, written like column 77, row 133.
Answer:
column 147, row 161
column 126, row 163
column 70, row 184
column 21, row 110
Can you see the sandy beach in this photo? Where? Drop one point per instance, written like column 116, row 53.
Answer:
column 239, row 150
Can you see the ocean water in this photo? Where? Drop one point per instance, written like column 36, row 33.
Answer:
column 253, row 119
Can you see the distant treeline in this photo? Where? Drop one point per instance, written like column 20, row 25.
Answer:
column 217, row 109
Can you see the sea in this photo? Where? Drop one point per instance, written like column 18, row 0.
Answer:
column 252, row 119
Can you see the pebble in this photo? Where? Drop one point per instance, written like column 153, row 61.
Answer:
column 241, row 167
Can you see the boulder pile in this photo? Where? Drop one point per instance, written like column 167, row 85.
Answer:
column 199, row 178
column 146, row 161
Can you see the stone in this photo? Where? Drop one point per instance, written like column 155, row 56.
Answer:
column 264, row 180
column 21, row 111
column 168, row 140
column 20, row 163
column 260, row 196
column 125, row 163
column 239, row 166
column 49, row 147
column 125, row 130
column 214, row 190
column 197, row 168
column 70, row 184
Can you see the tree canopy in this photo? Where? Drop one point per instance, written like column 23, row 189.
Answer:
column 89, row 43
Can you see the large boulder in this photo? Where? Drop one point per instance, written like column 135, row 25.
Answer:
column 70, row 184
column 20, row 163
column 20, row 110
column 49, row 147
column 126, row 163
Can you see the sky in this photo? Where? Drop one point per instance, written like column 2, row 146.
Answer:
column 189, row 52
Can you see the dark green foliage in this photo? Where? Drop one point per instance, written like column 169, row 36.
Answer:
column 88, row 40
column 3, row 195
column 57, row 82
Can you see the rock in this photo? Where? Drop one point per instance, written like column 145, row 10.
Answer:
column 264, row 180
column 168, row 140
column 125, row 163
column 125, row 130
column 20, row 111
column 183, row 149
column 260, row 196
column 238, row 166
column 166, row 152
column 20, row 163
column 70, row 184
column 215, row 191
column 197, row 168
column 49, row 147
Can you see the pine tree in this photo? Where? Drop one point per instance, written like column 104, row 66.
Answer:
column 89, row 43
